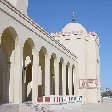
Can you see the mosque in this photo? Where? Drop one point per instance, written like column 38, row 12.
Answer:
column 34, row 63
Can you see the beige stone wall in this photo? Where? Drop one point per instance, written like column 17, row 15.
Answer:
column 91, row 67
column 86, row 47
column 76, row 44
column 23, row 29
column 21, row 5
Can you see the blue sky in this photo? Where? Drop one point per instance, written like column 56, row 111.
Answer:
column 94, row 15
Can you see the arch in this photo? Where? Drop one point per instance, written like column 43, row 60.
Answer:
column 9, row 39
column 43, row 49
column 67, row 78
column 52, row 74
column 11, row 29
column 28, row 49
column 73, row 79
column 54, row 55
column 30, row 46
column 73, row 66
column 68, row 63
column 61, row 60
column 31, row 42
column 9, row 34
column 42, row 53
column 60, row 75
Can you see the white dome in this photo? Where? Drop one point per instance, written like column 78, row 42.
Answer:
column 73, row 27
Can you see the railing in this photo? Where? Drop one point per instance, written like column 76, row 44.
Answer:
column 54, row 103
column 27, row 19
column 53, row 99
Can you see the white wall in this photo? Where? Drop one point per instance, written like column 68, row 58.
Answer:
column 86, row 49
column 21, row 5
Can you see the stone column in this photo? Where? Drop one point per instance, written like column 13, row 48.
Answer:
column 39, row 75
column 35, row 75
column 70, row 79
column 56, row 74
column 18, row 73
column 64, row 79
column 75, row 84
column 47, row 75
column 76, row 80
column 11, row 65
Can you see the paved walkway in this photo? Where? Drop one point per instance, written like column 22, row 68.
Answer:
column 100, row 107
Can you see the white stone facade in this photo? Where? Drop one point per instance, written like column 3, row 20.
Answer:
column 85, row 45
column 33, row 63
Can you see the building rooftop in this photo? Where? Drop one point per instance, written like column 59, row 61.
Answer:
column 73, row 27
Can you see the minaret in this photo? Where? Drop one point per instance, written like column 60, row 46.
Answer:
column 21, row 5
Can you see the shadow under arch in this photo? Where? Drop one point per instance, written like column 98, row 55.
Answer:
column 52, row 73
column 73, row 79
column 9, row 39
column 67, row 78
column 42, row 54
column 28, row 50
column 60, row 75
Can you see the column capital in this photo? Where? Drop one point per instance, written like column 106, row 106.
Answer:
column 64, row 79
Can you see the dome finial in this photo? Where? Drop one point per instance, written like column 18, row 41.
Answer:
column 73, row 16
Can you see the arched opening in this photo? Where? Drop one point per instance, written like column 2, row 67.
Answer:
column 7, row 52
column 52, row 74
column 60, row 76
column 67, row 80
column 73, row 79
column 41, row 88
column 27, row 70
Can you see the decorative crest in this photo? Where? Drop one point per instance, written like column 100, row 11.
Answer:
column 73, row 16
